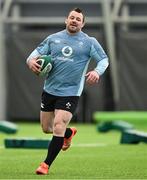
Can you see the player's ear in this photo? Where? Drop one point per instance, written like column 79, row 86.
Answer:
column 66, row 21
column 83, row 24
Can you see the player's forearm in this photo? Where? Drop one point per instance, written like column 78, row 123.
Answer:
column 35, row 54
column 102, row 66
column 31, row 62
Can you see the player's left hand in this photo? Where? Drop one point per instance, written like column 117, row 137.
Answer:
column 92, row 77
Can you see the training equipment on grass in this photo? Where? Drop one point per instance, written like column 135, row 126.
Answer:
column 46, row 65
column 123, row 115
column 133, row 137
column 30, row 143
column 8, row 127
column 113, row 125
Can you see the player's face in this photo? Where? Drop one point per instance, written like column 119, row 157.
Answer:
column 74, row 22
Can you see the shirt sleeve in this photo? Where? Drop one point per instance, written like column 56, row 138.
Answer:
column 34, row 54
column 44, row 47
column 98, row 54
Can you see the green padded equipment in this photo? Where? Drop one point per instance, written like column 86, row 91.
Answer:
column 30, row 143
column 114, row 125
column 123, row 115
column 133, row 137
column 8, row 127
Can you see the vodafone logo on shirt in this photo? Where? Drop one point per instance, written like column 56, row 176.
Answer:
column 67, row 51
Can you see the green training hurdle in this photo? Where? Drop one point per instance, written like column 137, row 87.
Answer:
column 113, row 125
column 8, row 127
column 133, row 137
column 30, row 143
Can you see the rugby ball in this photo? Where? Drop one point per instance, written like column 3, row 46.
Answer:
column 46, row 65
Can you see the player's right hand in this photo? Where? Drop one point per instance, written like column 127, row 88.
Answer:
column 34, row 66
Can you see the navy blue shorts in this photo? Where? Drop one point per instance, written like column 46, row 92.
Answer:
column 50, row 102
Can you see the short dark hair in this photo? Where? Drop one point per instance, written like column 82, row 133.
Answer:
column 79, row 11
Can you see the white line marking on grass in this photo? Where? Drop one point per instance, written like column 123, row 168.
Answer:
column 89, row 145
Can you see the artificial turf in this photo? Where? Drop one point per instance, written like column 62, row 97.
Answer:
column 93, row 155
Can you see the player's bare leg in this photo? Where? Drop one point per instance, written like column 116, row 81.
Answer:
column 46, row 120
column 61, row 120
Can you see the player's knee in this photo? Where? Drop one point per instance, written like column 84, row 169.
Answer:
column 47, row 130
column 58, row 129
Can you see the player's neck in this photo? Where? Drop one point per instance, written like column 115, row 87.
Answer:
column 72, row 34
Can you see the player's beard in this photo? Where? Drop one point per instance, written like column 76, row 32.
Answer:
column 72, row 29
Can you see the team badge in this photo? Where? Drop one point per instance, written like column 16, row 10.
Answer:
column 68, row 105
column 67, row 51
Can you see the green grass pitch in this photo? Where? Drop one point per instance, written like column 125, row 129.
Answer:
column 93, row 155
